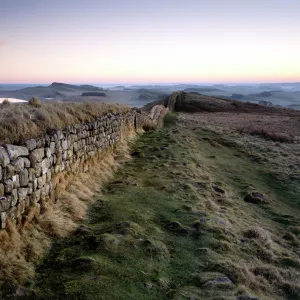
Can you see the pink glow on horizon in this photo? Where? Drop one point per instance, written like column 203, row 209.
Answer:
column 146, row 41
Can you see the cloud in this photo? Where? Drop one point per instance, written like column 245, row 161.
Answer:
column 2, row 43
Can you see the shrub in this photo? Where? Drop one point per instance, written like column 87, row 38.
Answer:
column 148, row 125
column 35, row 101
column 5, row 102
column 170, row 119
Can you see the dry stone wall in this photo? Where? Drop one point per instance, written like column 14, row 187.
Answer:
column 27, row 171
column 157, row 114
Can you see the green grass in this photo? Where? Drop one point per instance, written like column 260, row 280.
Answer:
column 171, row 220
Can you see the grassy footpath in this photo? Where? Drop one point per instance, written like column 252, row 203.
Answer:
column 173, row 225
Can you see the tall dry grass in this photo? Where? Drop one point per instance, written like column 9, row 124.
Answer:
column 21, row 250
column 267, row 134
column 20, row 121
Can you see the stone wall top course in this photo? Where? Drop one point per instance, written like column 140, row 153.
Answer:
column 16, row 151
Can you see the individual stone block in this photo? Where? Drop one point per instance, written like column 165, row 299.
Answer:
column 16, row 151
column 45, row 166
column 26, row 162
column 64, row 145
column 40, row 143
column 8, row 186
column 40, row 182
column 59, row 134
column 3, row 218
column 14, row 197
column 1, row 189
column 4, row 204
column 16, row 181
column 31, row 174
column 48, row 176
column 9, row 171
column 48, row 152
column 52, row 147
column 24, row 178
column 22, row 193
column 30, row 188
column 51, row 161
column 36, row 156
column 18, row 164
column 30, row 144
column 35, row 184
column 38, row 169
column 64, row 155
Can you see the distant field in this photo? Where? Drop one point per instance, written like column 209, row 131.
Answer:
column 78, row 93
column 12, row 100
column 286, row 95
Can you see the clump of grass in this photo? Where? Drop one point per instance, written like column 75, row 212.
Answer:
column 170, row 119
column 5, row 102
column 35, row 102
column 19, row 251
column 148, row 125
column 258, row 233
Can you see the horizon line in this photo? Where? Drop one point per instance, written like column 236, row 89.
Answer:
column 151, row 83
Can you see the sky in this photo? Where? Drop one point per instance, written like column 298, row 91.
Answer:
column 139, row 41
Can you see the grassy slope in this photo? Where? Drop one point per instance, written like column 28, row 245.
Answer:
column 174, row 218
column 23, row 121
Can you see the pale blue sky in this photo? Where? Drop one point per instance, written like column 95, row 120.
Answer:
column 149, row 41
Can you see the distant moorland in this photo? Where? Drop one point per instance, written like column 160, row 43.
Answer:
column 270, row 94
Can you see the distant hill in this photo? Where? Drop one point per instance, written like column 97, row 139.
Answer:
column 203, row 90
column 58, row 85
column 148, row 94
column 55, row 90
